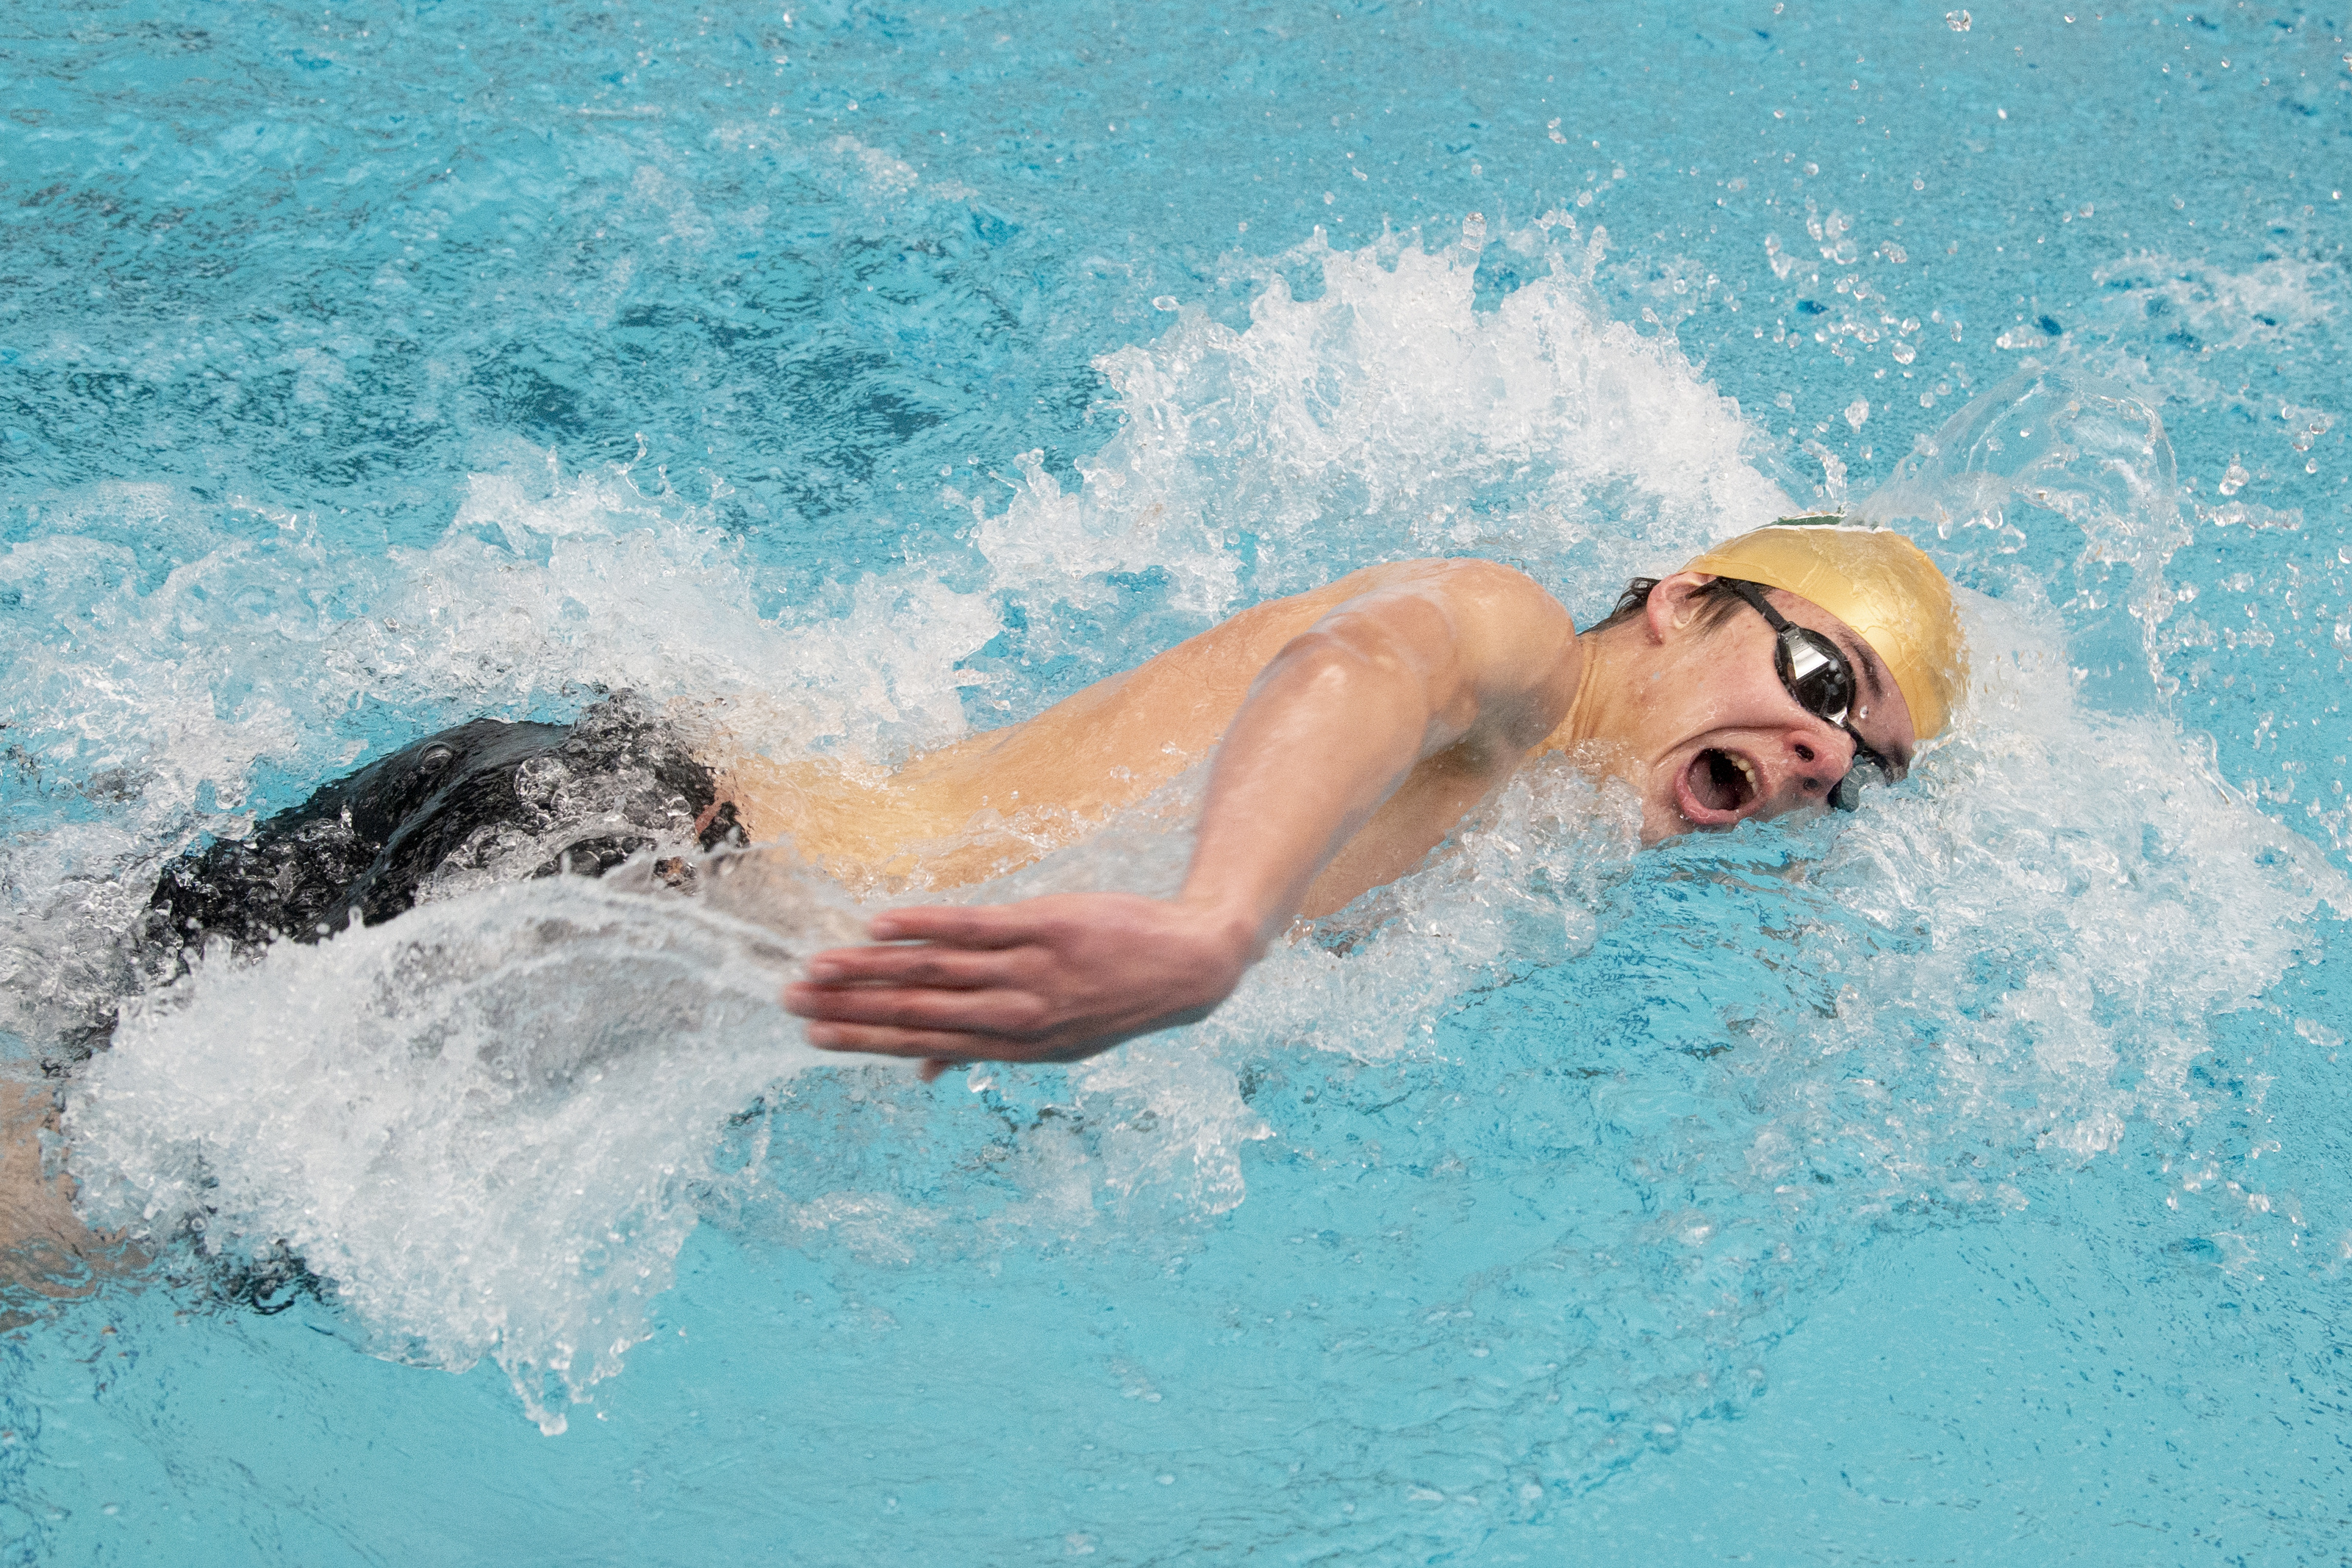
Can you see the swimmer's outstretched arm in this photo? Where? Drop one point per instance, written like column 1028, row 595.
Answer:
column 1439, row 679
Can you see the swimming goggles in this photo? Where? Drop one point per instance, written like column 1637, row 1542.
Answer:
column 1817, row 674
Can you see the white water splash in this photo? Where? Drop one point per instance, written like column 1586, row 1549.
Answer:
column 2004, row 962
column 486, row 1124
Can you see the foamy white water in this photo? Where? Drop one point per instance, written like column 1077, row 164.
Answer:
column 488, row 1123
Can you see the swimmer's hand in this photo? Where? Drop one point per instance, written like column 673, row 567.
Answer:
column 1047, row 980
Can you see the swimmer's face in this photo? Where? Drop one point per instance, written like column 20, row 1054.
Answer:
column 1721, row 739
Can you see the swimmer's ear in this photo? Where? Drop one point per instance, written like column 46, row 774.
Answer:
column 1674, row 607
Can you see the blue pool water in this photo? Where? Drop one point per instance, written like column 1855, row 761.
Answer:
column 1969, row 1179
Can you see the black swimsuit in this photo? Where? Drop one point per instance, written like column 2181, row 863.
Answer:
column 495, row 800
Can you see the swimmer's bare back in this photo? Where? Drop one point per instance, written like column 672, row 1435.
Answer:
column 1351, row 728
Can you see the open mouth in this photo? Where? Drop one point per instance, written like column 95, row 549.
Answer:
column 1716, row 786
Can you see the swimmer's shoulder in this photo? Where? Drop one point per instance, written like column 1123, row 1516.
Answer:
column 1474, row 582
column 1501, row 619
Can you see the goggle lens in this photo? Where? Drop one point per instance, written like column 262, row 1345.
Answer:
column 1816, row 673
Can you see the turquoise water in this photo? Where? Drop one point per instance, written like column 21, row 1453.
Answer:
column 1964, row 1179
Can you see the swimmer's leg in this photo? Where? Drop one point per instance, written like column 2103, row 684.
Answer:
column 46, row 1251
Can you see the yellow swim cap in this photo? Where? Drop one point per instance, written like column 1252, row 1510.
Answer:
column 1876, row 581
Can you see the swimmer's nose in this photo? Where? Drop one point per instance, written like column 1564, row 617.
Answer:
column 1815, row 761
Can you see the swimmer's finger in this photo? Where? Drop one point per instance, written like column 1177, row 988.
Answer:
column 942, row 969
column 991, row 1012
column 959, row 925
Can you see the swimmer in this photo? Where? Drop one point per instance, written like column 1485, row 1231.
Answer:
column 1350, row 729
